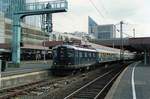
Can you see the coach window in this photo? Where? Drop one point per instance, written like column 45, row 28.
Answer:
column 76, row 53
column 80, row 54
column 85, row 54
column 93, row 54
column 89, row 54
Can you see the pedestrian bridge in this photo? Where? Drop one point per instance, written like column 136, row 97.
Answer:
column 43, row 7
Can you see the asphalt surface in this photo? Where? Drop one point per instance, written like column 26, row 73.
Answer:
column 133, row 83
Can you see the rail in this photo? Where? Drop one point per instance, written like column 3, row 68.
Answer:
column 95, row 88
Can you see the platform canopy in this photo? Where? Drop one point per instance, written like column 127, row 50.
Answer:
column 132, row 44
column 141, row 43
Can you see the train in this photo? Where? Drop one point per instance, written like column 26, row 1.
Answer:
column 67, row 58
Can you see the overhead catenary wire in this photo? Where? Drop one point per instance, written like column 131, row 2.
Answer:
column 127, row 35
column 128, row 28
column 99, row 12
column 104, row 9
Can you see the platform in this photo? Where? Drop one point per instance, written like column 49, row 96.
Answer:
column 29, row 71
column 133, row 83
column 27, row 66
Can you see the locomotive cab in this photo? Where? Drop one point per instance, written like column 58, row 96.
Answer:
column 63, row 56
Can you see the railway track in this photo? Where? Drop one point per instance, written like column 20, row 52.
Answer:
column 36, row 87
column 23, row 89
column 97, row 88
column 12, row 92
column 41, row 88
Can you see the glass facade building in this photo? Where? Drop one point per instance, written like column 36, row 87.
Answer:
column 91, row 25
column 106, row 31
column 2, row 28
column 7, row 6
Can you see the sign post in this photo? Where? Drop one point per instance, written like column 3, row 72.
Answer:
column 0, row 74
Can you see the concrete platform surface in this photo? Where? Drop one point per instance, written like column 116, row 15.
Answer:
column 27, row 67
column 133, row 83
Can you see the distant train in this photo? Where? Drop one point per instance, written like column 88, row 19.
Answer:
column 68, row 57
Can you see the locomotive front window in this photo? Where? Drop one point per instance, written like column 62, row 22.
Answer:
column 62, row 52
column 54, row 53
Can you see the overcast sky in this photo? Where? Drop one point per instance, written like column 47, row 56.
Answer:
column 134, row 12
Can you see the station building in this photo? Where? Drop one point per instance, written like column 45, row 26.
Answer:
column 31, row 41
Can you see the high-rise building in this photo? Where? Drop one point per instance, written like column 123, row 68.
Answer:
column 7, row 6
column 91, row 26
column 107, row 31
column 2, row 28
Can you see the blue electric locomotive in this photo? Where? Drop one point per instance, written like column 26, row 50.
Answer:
column 68, row 57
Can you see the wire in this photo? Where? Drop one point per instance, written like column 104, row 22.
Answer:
column 102, row 5
column 99, row 12
column 128, row 28
column 127, row 34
